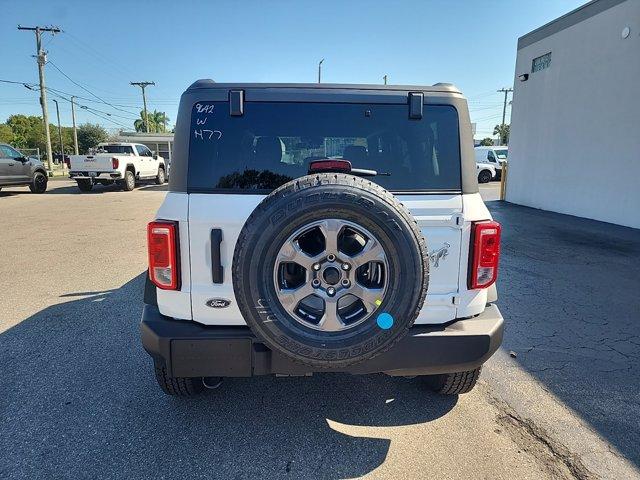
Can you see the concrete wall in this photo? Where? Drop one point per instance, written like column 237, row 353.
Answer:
column 575, row 126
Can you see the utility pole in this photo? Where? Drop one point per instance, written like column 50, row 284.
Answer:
column 41, row 57
column 320, row 70
column 75, row 130
column 144, row 85
column 59, row 129
column 385, row 79
column 504, row 107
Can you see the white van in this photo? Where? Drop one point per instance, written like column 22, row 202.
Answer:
column 494, row 156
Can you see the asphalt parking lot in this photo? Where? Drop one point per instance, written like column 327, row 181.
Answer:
column 80, row 402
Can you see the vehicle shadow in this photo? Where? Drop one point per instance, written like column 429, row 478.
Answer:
column 155, row 188
column 99, row 189
column 72, row 189
column 79, row 400
column 6, row 192
column 568, row 290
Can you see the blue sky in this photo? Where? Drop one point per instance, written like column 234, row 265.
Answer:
column 107, row 44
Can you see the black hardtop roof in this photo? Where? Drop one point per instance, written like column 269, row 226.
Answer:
column 437, row 88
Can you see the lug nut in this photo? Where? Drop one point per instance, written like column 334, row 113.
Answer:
column 346, row 266
column 331, row 291
column 331, row 258
column 345, row 282
column 316, row 266
column 315, row 283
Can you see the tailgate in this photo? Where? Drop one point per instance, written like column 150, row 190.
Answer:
column 100, row 162
column 438, row 216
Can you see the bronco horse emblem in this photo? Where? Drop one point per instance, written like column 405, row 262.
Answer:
column 439, row 254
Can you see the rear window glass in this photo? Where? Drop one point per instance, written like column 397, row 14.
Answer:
column 121, row 149
column 273, row 143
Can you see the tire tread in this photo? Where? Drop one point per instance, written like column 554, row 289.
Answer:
column 456, row 383
column 178, row 386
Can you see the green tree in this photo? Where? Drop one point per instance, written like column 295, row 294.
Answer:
column 486, row 142
column 89, row 135
column 157, row 122
column 503, row 132
column 160, row 120
column 139, row 124
column 27, row 131
column 67, row 139
column 6, row 134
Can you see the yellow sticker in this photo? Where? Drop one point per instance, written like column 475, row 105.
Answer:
column 378, row 302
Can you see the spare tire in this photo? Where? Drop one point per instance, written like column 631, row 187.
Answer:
column 330, row 270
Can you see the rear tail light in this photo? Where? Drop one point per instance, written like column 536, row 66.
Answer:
column 115, row 163
column 164, row 266
column 329, row 165
column 485, row 254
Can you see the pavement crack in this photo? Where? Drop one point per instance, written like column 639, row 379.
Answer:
column 544, row 369
column 551, row 454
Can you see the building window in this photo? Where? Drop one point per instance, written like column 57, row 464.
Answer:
column 541, row 62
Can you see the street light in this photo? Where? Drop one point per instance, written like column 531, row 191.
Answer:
column 320, row 70
column 59, row 134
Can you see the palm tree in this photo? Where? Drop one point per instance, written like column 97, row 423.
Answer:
column 140, row 125
column 503, row 132
column 159, row 120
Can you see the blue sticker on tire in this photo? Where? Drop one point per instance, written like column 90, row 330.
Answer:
column 385, row 321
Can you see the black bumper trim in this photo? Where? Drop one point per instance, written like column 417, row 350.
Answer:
column 189, row 349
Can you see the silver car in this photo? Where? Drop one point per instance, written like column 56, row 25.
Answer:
column 17, row 169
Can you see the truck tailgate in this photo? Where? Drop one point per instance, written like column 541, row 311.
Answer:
column 92, row 163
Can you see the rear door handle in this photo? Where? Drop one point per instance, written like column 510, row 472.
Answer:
column 217, row 272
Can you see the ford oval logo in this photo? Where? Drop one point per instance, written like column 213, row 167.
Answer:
column 218, row 303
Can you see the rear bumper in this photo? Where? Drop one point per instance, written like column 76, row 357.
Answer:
column 188, row 349
column 97, row 175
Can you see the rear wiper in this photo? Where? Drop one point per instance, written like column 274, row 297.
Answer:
column 342, row 166
column 363, row 172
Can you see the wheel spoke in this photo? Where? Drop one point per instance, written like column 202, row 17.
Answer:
column 289, row 298
column 293, row 299
column 371, row 252
column 291, row 252
column 331, row 321
column 330, row 228
column 369, row 296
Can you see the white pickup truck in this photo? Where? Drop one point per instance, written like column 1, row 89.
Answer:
column 121, row 163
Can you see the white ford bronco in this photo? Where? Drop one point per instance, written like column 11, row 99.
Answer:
column 121, row 163
column 321, row 228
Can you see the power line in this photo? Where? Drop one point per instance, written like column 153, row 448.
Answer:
column 481, row 95
column 89, row 49
column 93, row 111
column 53, row 92
column 61, row 94
column 20, row 83
column 477, row 109
column 86, row 89
column 495, row 115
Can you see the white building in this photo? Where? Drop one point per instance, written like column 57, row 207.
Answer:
column 575, row 124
